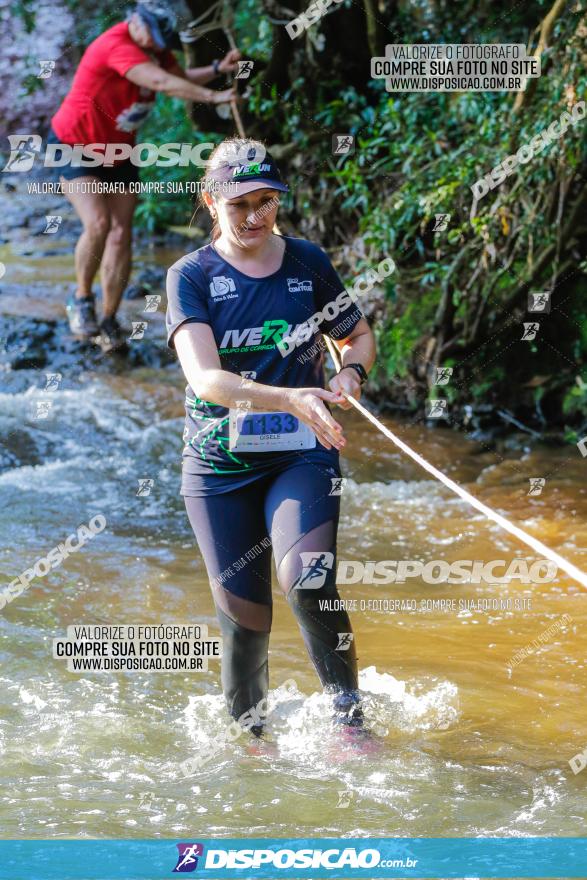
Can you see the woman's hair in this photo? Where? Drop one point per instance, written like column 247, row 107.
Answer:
column 237, row 151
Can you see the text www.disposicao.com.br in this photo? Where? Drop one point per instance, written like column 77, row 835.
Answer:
column 103, row 664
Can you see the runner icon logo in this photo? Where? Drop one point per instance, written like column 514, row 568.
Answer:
column 152, row 302
column 138, row 330
column 244, row 69
column 145, row 486
column 441, row 222
column 187, row 860
column 536, row 485
column 46, row 68
column 443, row 375
column 337, row 485
column 578, row 762
column 539, row 302
column 53, row 223
column 343, row 144
column 436, row 408
column 146, row 800
column 314, row 571
column 43, row 410
column 345, row 797
column 344, row 641
column 53, row 380
column 530, row 331
column 24, row 148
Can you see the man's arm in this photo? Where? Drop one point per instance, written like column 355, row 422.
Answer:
column 202, row 75
column 198, row 75
column 151, row 76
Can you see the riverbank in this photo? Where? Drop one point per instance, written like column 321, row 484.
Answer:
column 34, row 332
column 99, row 754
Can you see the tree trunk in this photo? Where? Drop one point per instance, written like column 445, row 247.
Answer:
column 545, row 33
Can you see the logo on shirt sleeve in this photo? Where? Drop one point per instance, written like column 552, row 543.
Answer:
column 294, row 285
column 222, row 287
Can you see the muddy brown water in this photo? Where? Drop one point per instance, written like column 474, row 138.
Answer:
column 467, row 742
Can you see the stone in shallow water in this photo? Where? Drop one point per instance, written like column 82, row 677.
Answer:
column 26, row 343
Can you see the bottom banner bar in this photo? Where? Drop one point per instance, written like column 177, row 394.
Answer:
column 294, row 858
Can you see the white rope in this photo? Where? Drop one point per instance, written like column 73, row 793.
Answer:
column 505, row 524
column 196, row 28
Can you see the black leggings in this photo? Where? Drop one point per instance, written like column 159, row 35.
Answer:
column 294, row 514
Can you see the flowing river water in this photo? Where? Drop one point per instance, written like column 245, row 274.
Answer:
column 465, row 743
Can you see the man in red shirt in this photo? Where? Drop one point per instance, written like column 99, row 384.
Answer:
column 112, row 92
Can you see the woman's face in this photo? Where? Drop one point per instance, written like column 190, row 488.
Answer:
column 248, row 220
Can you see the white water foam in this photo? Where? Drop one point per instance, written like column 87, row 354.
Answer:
column 303, row 727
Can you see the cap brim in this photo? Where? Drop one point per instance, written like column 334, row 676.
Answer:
column 158, row 37
column 241, row 188
column 154, row 28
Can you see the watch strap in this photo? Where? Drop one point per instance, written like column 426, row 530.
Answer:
column 359, row 369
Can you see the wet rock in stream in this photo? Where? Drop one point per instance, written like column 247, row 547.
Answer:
column 27, row 343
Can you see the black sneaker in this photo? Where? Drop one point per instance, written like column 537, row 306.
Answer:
column 347, row 709
column 111, row 336
column 81, row 314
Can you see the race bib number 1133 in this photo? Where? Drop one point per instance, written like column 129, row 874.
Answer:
column 268, row 432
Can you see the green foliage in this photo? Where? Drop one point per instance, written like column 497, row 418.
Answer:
column 169, row 123
column 575, row 401
column 396, row 342
column 31, row 83
column 254, row 30
column 90, row 22
column 417, row 155
column 25, row 10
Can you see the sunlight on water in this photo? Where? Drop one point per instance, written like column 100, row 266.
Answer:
column 461, row 742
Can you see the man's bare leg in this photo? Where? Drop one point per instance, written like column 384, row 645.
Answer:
column 116, row 259
column 93, row 211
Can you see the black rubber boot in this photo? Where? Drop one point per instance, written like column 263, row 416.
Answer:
column 245, row 671
column 336, row 669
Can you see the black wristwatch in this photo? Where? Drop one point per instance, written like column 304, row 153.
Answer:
column 360, row 369
column 216, row 66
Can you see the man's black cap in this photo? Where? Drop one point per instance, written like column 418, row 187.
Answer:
column 162, row 22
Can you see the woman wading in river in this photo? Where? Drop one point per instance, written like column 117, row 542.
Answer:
column 261, row 455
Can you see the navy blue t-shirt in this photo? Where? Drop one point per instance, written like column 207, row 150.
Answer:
column 248, row 316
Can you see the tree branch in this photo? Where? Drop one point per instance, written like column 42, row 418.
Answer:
column 545, row 32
